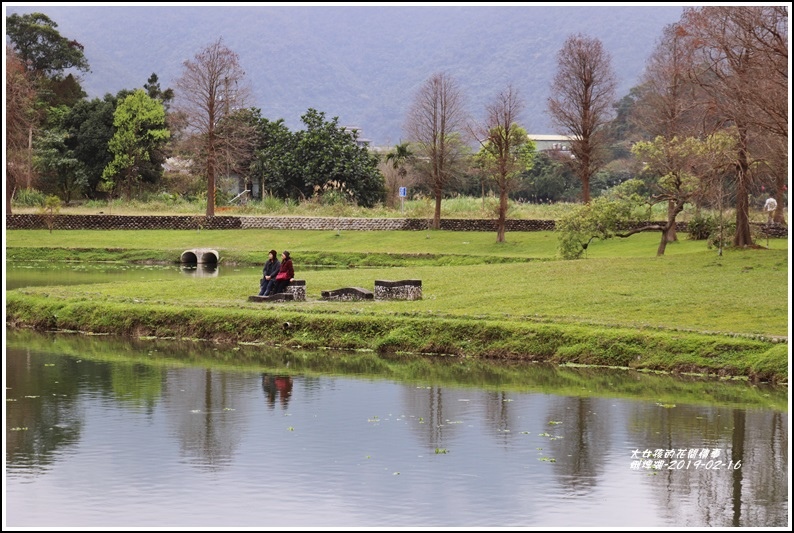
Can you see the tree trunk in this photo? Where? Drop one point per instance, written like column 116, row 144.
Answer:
column 743, row 236
column 663, row 242
column 211, row 173
column 670, row 233
column 437, row 212
column 500, row 226
column 780, row 182
column 585, row 177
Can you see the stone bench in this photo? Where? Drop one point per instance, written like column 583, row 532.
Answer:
column 296, row 290
column 280, row 297
column 348, row 293
column 407, row 289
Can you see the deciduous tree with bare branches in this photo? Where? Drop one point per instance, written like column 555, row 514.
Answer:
column 667, row 109
column 506, row 149
column 741, row 64
column 435, row 123
column 583, row 92
column 210, row 90
column 20, row 119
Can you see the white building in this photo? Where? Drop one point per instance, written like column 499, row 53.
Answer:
column 545, row 143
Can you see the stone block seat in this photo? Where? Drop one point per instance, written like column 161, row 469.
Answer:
column 406, row 289
column 296, row 291
column 348, row 293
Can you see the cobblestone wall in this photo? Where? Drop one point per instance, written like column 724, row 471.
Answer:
column 197, row 222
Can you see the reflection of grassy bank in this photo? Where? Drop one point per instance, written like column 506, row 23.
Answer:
column 422, row 370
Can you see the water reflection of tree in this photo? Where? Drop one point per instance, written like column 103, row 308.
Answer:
column 584, row 424
column 44, row 415
column 752, row 495
column 204, row 415
column 436, row 412
column 497, row 415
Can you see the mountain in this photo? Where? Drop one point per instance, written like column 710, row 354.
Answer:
column 361, row 63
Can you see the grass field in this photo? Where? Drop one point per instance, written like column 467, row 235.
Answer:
column 620, row 287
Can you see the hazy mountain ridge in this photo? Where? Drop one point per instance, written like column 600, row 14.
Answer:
column 362, row 64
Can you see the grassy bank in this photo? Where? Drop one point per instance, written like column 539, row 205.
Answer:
column 689, row 311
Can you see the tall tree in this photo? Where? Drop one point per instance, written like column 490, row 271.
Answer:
column 20, row 119
column 435, row 123
column 667, row 102
column 41, row 46
column 329, row 160
column 741, row 64
column 583, row 92
column 209, row 90
column 506, row 150
column 273, row 157
column 89, row 125
column 47, row 55
column 152, row 88
column 140, row 128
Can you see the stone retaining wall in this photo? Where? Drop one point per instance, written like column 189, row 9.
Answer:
column 198, row 222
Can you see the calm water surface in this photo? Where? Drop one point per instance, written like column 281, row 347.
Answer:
column 115, row 433
column 109, row 432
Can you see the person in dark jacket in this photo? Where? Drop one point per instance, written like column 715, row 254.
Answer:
column 269, row 272
column 285, row 273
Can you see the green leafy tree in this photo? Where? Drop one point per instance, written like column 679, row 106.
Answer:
column 59, row 170
column 139, row 121
column 272, row 165
column 549, row 180
column 51, row 207
column 41, row 46
column 89, row 124
column 683, row 166
column 152, row 88
column 328, row 158
column 47, row 55
column 602, row 218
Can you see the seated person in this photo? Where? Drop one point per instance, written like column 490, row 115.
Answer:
column 285, row 274
column 269, row 272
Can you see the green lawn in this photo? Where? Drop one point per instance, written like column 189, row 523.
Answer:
column 621, row 283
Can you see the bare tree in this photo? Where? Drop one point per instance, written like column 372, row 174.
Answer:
column 20, row 119
column 583, row 92
column 739, row 64
column 667, row 104
column 434, row 125
column 506, row 150
column 210, row 90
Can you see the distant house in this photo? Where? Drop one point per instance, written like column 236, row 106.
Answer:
column 360, row 141
column 547, row 143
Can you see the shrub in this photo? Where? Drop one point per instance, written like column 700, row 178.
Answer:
column 28, row 198
column 701, row 227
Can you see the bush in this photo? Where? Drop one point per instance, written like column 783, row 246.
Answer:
column 725, row 236
column 28, row 198
column 701, row 227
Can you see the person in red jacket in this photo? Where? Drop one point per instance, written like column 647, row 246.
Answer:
column 285, row 273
